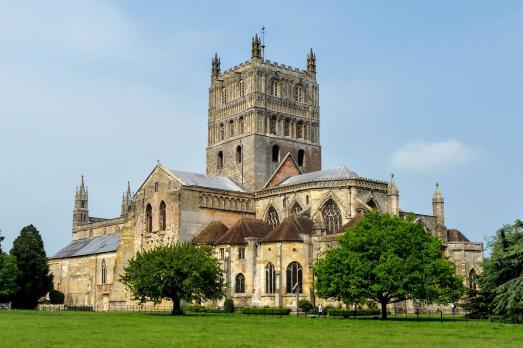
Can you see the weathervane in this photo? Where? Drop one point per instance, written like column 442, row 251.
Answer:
column 263, row 41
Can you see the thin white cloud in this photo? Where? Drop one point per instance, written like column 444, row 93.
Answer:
column 423, row 156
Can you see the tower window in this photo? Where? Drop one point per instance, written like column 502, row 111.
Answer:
column 241, row 124
column 222, row 131
column 239, row 154
column 272, row 124
column 82, row 204
column 298, row 93
column 231, row 128
column 299, row 130
column 301, row 157
column 224, row 96
column 286, row 125
column 241, row 86
column 220, row 160
column 163, row 216
column 275, row 86
column 149, row 219
column 275, row 153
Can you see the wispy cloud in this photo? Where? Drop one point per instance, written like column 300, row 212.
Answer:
column 424, row 156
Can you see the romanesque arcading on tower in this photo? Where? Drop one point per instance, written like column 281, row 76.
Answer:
column 438, row 207
column 256, row 47
column 127, row 200
column 81, row 208
column 393, row 195
column 215, row 69
column 311, row 63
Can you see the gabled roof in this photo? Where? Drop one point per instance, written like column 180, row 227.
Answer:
column 89, row 246
column 290, row 229
column 202, row 180
column 454, row 235
column 242, row 229
column 337, row 173
column 287, row 168
column 211, row 233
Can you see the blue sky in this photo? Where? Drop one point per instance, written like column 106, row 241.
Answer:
column 431, row 91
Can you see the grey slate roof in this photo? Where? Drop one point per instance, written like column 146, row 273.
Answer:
column 202, row 180
column 337, row 173
column 89, row 246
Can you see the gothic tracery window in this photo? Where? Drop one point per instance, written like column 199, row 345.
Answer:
column 270, row 279
column 272, row 125
column 104, row 272
column 296, row 208
column 163, row 216
column 241, row 125
column 149, row 218
column 331, row 216
column 299, row 130
column 224, row 96
column 241, row 86
column 298, row 94
column 275, row 86
column 272, row 218
column 240, row 284
column 294, row 277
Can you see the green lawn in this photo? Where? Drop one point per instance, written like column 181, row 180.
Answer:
column 85, row 329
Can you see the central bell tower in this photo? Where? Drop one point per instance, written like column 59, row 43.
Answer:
column 260, row 111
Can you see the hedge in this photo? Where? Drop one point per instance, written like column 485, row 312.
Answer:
column 358, row 313
column 266, row 311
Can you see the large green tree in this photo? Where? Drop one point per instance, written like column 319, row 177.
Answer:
column 387, row 259
column 502, row 278
column 8, row 274
column 182, row 271
column 34, row 280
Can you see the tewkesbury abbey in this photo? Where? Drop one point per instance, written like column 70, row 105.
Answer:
column 265, row 203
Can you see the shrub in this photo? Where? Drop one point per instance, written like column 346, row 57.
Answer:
column 228, row 305
column 56, row 297
column 341, row 313
column 305, row 305
column 193, row 309
column 266, row 311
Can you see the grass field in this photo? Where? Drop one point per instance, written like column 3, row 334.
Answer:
column 87, row 329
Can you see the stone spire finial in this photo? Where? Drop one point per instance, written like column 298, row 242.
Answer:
column 311, row 62
column 215, row 65
column 256, row 47
column 392, row 188
column 438, row 197
column 438, row 209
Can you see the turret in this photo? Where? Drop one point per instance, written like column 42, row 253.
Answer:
column 438, row 207
column 127, row 200
column 256, row 52
column 81, row 205
column 311, row 63
column 393, row 196
column 215, row 65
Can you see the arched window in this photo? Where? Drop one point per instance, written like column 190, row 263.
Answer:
column 222, row 131
column 241, row 86
column 239, row 154
column 299, row 130
column 240, row 284
column 275, row 87
column 272, row 125
column 220, row 160
column 298, row 93
column 104, row 272
column 156, row 185
column 331, row 216
column 270, row 279
column 472, row 279
column 286, row 126
column 296, row 208
column 224, row 96
column 272, row 218
column 162, row 217
column 241, row 125
column 301, row 157
column 294, row 277
column 149, row 218
column 372, row 204
column 275, row 153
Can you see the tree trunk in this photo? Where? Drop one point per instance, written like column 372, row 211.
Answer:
column 177, row 309
column 383, row 310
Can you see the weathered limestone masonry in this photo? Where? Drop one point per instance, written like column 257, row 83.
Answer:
column 265, row 203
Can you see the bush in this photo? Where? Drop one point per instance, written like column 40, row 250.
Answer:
column 341, row 313
column 266, row 311
column 56, row 297
column 305, row 305
column 228, row 305
column 193, row 309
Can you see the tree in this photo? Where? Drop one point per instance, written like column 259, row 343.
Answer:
column 182, row 271
column 8, row 275
column 387, row 259
column 502, row 279
column 34, row 280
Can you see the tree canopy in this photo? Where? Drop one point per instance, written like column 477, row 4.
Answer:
column 501, row 282
column 387, row 259
column 34, row 280
column 182, row 271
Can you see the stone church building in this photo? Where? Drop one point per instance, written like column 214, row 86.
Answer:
column 265, row 203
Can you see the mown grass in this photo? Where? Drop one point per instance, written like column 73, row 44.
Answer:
column 86, row 329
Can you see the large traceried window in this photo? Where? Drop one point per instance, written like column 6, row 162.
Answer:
column 275, row 88
column 296, row 208
column 240, row 284
column 149, row 218
column 331, row 216
column 104, row 272
column 162, row 216
column 294, row 277
column 270, row 279
column 272, row 218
